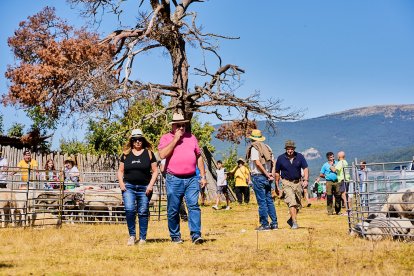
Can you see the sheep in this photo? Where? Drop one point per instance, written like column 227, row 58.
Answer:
column 400, row 204
column 103, row 201
column 382, row 227
column 6, row 206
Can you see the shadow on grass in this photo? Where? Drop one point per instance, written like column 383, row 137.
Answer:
column 4, row 265
column 169, row 240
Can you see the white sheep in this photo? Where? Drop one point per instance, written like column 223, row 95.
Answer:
column 400, row 204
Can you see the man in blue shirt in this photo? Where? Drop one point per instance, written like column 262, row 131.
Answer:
column 332, row 184
column 289, row 167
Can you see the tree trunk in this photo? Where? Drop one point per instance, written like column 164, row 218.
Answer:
column 180, row 71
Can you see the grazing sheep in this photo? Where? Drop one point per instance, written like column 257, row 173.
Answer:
column 400, row 204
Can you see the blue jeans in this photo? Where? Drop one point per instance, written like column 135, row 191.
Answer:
column 177, row 188
column 136, row 201
column 263, row 191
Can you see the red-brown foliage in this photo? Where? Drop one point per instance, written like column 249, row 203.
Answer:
column 55, row 62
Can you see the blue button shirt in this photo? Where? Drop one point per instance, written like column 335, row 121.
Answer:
column 288, row 170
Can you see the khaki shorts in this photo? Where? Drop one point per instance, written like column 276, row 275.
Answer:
column 292, row 193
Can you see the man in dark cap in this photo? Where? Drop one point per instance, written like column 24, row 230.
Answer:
column 289, row 167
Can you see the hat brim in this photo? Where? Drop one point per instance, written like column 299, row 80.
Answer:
column 261, row 139
column 177, row 122
column 290, row 147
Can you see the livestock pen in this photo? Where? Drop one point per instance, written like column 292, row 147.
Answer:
column 96, row 198
column 381, row 201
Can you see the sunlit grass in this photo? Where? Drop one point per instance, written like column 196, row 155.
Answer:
column 320, row 246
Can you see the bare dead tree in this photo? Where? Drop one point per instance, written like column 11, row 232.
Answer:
column 171, row 25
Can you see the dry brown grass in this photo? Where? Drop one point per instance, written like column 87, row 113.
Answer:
column 321, row 246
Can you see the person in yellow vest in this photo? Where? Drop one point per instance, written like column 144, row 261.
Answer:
column 26, row 165
column 242, row 179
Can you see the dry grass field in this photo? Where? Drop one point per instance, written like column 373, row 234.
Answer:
column 321, row 246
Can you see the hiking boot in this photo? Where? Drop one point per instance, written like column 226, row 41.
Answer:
column 290, row 222
column 177, row 240
column 215, row 207
column 141, row 242
column 227, row 208
column 131, row 241
column 198, row 240
column 263, row 228
column 294, row 225
column 274, row 227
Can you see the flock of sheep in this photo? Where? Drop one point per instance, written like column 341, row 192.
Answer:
column 87, row 203
column 394, row 220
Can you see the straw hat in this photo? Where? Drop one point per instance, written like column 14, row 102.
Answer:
column 257, row 135
column 70, row 159
column 178, row 118
column 240, row 160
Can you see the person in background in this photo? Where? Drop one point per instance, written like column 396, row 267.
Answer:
column 182, row 153
column 50, row 175
column 343, row 176
column 241, row 181
column 71, row 173
column 262, row 169
column 363, row 185
column 318, row 188
column 222, row 188
column 289, row 167
column 137, row 175
column 3, row 170
column 332, row 185
column 27, row 165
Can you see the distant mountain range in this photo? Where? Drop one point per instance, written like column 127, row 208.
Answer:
column 368, row 133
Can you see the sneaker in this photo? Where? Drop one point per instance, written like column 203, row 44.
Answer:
column 131, row 241
column 198, row 240
column 339, row 213
column 274, row 227
column 215, row 207
column 141, row 242
column 176, row 240
column 227, row 208
column 294, row 225
column 290, row 222
column 263, row 228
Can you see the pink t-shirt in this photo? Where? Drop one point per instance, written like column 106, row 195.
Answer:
column 183, row 159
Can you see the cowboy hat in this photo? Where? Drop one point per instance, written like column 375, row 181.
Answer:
column 178, row 118
column 257, row 135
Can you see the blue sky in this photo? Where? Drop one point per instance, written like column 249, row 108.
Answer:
column 321, row 56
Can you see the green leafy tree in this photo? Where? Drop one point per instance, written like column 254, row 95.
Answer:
column 73, row 146
column 16, row 130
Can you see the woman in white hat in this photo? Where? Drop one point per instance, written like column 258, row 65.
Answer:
column 137, row 174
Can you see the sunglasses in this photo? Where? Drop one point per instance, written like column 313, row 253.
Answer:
column 180, row 125
column 133, row 140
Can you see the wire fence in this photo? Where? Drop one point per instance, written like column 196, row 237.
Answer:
column 381, row 201
column 31, row 198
